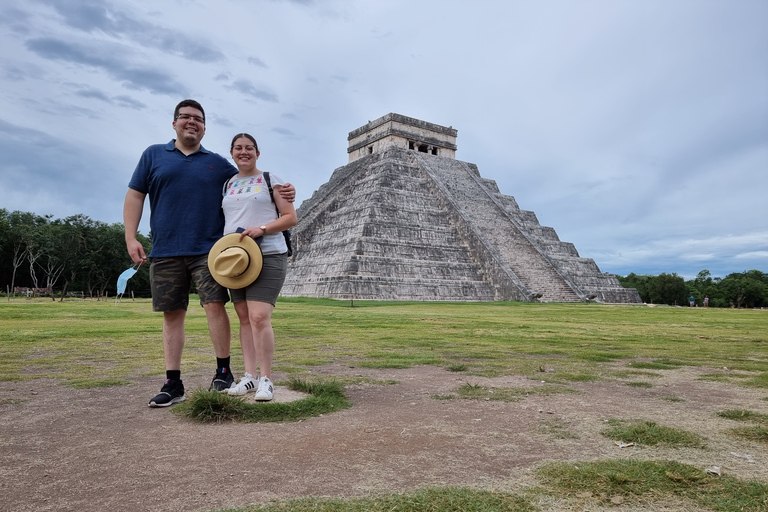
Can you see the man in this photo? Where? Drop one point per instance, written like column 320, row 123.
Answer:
column 184, row 182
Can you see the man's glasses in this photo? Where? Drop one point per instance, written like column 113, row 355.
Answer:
column 240, row 148
column 187, row 117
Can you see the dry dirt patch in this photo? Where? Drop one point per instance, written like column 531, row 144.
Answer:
column 103, row 449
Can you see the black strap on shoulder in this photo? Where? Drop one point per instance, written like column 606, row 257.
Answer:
column 287, row 232
column 226, row 185
column 271, row 194
column 269, row 185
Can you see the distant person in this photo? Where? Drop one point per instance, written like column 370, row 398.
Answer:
column 183, row 181
column 249, row 209
column 706, row 302
column 692, row 301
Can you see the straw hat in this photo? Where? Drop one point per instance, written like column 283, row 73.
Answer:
column 234, row 263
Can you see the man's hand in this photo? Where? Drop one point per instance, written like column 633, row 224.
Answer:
column 136, row 251
column 288, row 192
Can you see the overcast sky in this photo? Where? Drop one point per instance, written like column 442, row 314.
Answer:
column 637, row 129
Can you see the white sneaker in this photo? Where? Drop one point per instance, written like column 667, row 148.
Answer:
column 266, row 390
column 246, row 385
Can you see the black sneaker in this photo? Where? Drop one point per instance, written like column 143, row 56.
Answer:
column 171, row 393
column 222, row 380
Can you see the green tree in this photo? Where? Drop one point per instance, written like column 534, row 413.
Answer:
column 745, row 289
column 667, row 289
column 22, row 227
column 76, row 252
column 639, row 282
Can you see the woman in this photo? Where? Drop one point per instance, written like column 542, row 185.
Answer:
column 247, row 205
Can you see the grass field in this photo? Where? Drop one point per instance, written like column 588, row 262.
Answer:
column 92, row 344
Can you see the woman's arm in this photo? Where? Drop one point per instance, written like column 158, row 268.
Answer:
column 287, row 192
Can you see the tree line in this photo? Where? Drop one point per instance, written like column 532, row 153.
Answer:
column 78, row 255
column 738, row 290
column 61, row 257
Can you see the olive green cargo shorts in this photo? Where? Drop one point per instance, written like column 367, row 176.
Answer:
column 171, row 281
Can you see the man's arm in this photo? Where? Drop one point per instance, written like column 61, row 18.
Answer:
column 288, row 192
column 132, row 209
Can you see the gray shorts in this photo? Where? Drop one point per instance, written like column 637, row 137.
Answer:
column 171, row 281
column 267, row 286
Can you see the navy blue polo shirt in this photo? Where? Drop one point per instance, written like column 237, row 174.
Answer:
column 184, row 198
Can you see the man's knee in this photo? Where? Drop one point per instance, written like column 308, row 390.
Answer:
column 215, row 307
column 174, row 317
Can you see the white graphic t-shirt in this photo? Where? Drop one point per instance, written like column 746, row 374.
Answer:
column 246, row 204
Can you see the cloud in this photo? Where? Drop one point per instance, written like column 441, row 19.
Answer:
column 127, row 101
column 103, row 58
column 92, row 16
column 246, row 87
column 640, row 135
column 753, row 255
column 223, row 121
column 298, row 2
column 257, row 62
column 283, row 131
column 687, row 256
column 66, row 179
column 93, row 93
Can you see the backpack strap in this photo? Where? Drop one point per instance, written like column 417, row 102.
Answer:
column 226, row 185
column 271, row 194
column 287, row 232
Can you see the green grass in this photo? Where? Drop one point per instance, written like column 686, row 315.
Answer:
column 655, row 365
column 445, row 499
column 636, row 481
column 557, row 429
column 567, row 377
column 93, row 344
column 98, row 340
column 585, row 484
column 742, row 415
column 754, row 433
column 638, row 384
column 215, row 407
column 478, row 392
column 96, row 383
column 649, row 433
column 758, row 432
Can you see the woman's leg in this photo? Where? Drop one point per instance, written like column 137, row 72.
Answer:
column 260, row 314
column 247, row 340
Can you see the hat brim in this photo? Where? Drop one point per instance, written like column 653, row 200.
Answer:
column 254, row 268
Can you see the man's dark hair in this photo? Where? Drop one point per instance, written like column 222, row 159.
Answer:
column 188, row 103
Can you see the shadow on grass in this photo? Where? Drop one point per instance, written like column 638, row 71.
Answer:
column 215, row 407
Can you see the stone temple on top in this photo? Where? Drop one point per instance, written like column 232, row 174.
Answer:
column 405, row 220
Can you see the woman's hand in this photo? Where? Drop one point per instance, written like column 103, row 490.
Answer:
column 253, row 232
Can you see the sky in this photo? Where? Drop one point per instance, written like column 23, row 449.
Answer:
column 637, row 129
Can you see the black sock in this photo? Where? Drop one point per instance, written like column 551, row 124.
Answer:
column 173, row 374
column 222, row 363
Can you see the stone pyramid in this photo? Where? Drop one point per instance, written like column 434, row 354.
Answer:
column 405, row 220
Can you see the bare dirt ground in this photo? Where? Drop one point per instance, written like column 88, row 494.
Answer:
column 103, row 449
